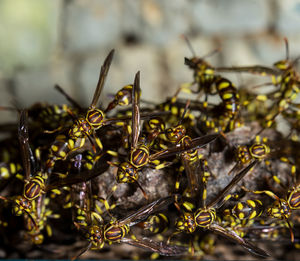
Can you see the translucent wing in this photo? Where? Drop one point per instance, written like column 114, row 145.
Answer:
column 255, row 69
column 146, row 211
column 24, row 143
column 136, row 91
column 179, row 148
column 154, row 246
column 102, row 78
column 252, row 249
column 232, row 183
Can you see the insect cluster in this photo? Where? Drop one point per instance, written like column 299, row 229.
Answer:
column 166, row 178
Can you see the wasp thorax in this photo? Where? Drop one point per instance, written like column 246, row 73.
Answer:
column 248, row 209
column 139, row 156
column 126, row 173
column 96, row 236
column 95, row 118
column 243, row 154
column 280, row 209
column 186, row 223
column 175, row 134
column 204, row 217
column 21, row 204
column 80, row 129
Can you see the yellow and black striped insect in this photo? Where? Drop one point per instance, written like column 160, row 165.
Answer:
column 285, row 78
column 139, row 153
column 205, row 216
column 40, row 213
column 210, row 84
column 116, row 231
column 192, row 162
column 282, row 208
column 259, row 150
column 82, row 199
column 84, row 126
column 35, row 183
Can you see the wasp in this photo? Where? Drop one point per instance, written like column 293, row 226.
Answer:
column 191, row 160
column 84, row 126
column 258, row 150
column 36, row 183
column 205, row 216
column 210, row 83
column 41, row 214
column 282, row 207
column 116, row 231
column 285, row 77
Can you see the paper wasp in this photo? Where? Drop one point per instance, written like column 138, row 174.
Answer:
column 282, row 207
column 115, row 231
column 258, row 150
column 40, row 213
column 205, row 216
column 191, row 160
column 84, row 126
column 210, row 83
column 36, row 182
column 285, row 77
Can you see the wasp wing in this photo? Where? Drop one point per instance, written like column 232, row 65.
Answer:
column 136, row 92
column 102, row 78
column 24, row 143
column 255, row 69
column 252, row 249
column 232, row 183
column 154, row 246
column 144, row 212
column 179, row 148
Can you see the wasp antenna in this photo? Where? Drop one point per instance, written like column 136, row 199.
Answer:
column 67, row 96
column 287, row 52
column 291, row 230
column 184, row 37
column 143, row 191
column 184, row 112
column 112, row 164
column 82, row 251
column 71, row 114
column 212, row 53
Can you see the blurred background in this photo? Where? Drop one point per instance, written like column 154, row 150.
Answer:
column 65, row 42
